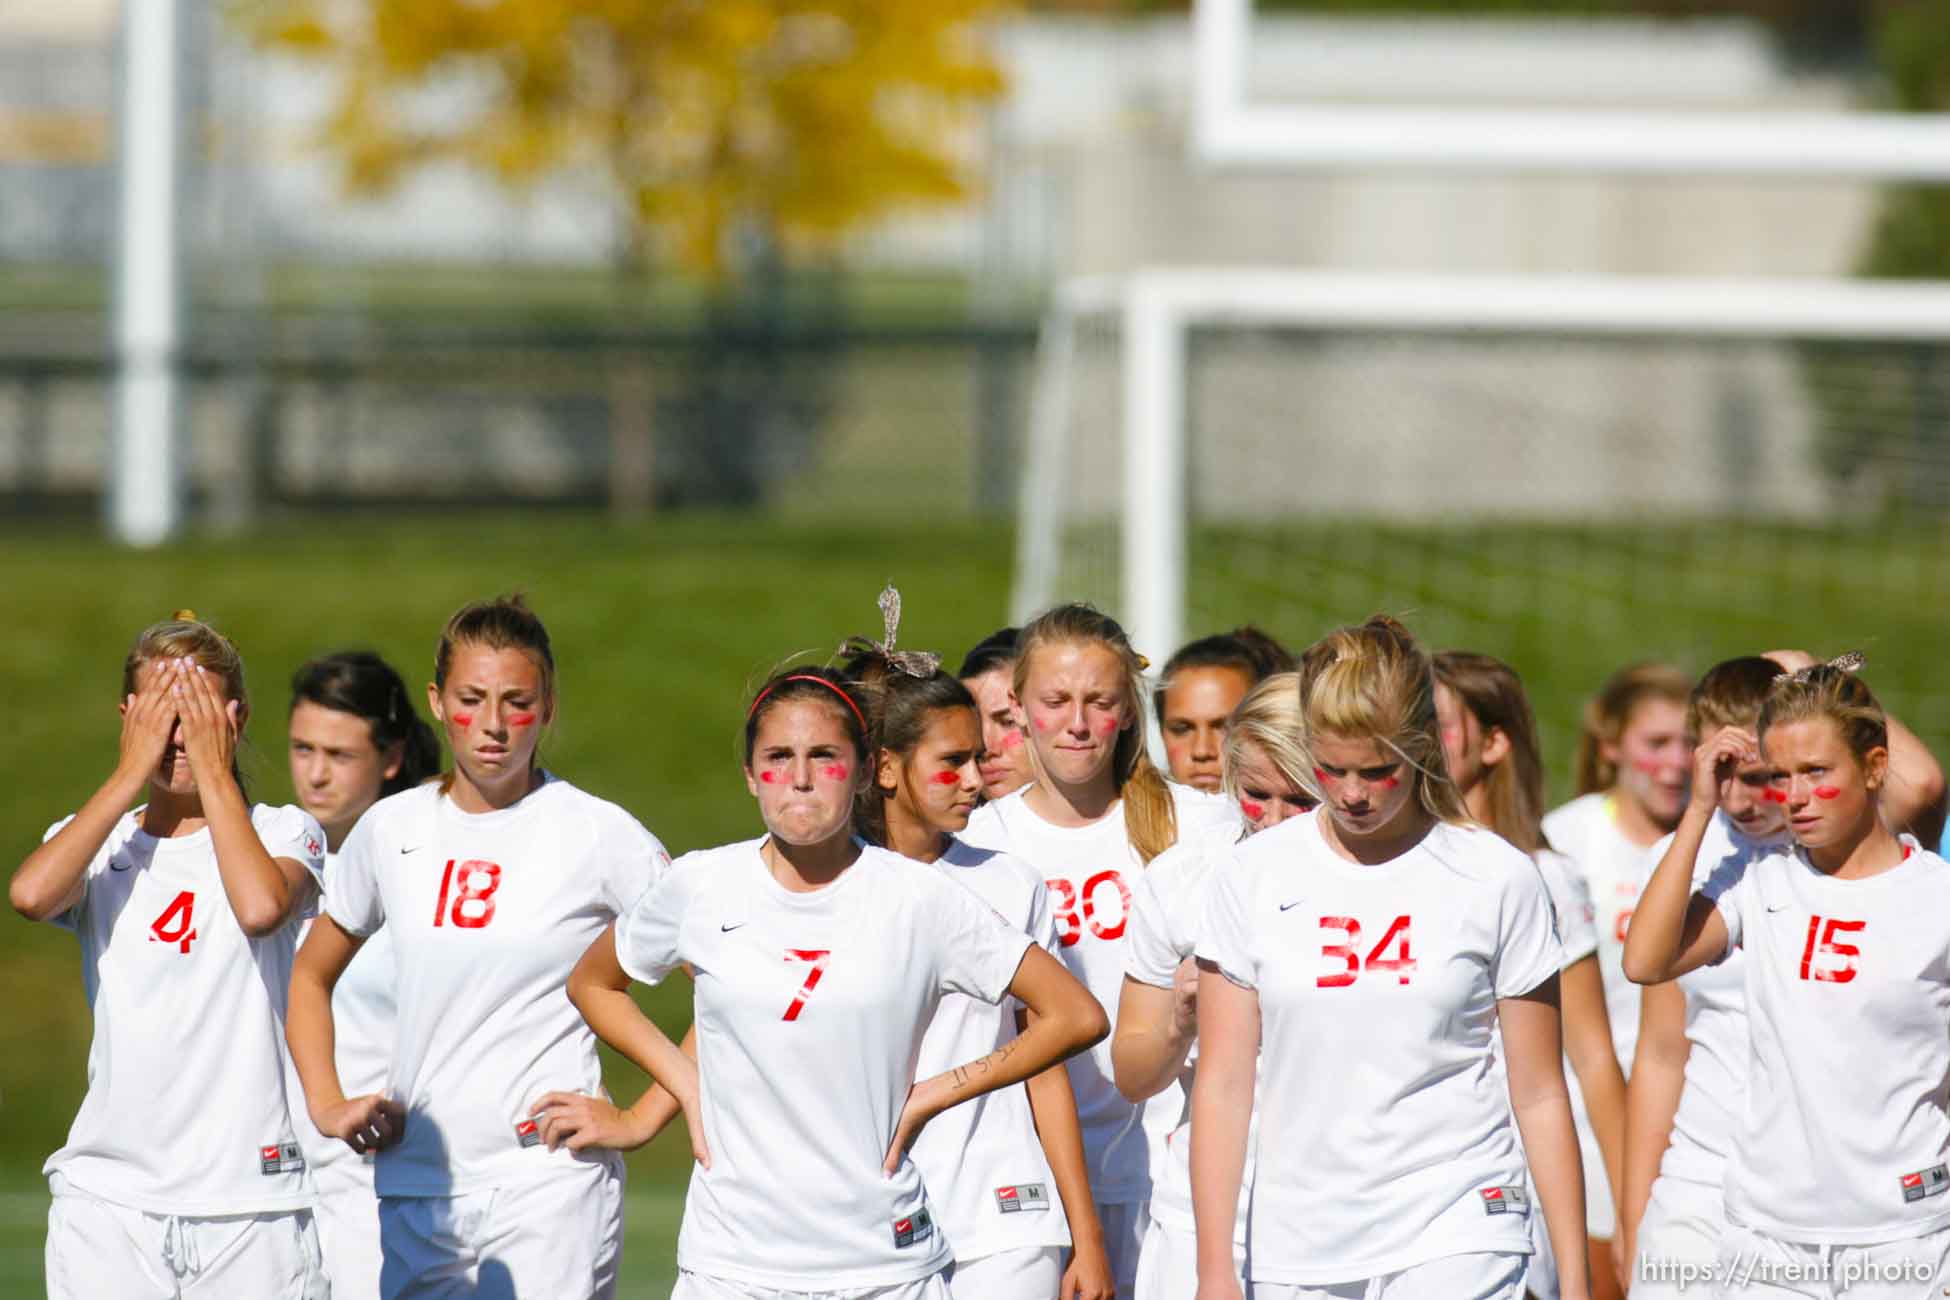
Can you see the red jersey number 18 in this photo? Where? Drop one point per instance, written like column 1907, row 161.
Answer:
column 473, row 904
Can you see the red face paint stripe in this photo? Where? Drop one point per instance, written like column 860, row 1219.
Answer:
column 835, row 771
column 1828, row 792
column 1253, row 811
column 462, row 719
column 521, row 719
column 771, row 778
column 1391, row 782
column 948, row 777
column 1774, row 796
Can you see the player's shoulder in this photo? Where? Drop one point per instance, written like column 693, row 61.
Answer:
column 603, row 816
column 962, row 856
column 409, row 807
column 1201, row 812
column 288, row 824
column 1479, row 855
column 1188, row 861
column 1567, row 825
column 990, row 826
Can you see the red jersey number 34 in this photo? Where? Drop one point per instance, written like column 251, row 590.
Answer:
column 1341, row 944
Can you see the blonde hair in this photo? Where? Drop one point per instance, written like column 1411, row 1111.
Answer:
column 1607, row 713
column 184, row 636
column 1268, row 719
column 1491, row 690
column 1831, row 692
column 1375, row 681
column 1150, row 818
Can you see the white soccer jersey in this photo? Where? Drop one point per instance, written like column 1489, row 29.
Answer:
column 1714, row 1096
column 981, row 1161
column 1377, row 990
column 1848, row 997
column 1089, row 870
column 1585, row 830
column 488, row 913
column 1167, row 906
column 186, row 1111
column 362, row 1030
column 810, row 1010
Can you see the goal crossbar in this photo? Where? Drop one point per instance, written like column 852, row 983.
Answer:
column 1156, row 309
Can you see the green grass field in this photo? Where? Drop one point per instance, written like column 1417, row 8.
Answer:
column 662, row 628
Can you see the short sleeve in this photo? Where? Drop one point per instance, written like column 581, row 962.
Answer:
column 632, row 860
column 1527, row 950
column 980, row 951
column 1726, row 888
column 352, row 884
column 1224, row 938
column 291, row 832
column 1042, row 919
column 1577, row 926
column 1149, row 957
column 647, row 931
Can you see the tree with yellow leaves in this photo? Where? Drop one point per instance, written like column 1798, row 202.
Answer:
column 710, row 124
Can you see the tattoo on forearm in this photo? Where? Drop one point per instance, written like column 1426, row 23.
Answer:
column 965, row 1075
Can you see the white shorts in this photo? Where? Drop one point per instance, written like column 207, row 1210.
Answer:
column 1168, row 1263
column 96, row 1248
column 1124, row 1226
column 1482, row 1275
column 1679, row 1240
column 347, row 1215
column 699, row 1286
column 1755, row 1266
column 1025, row 1273
column 560, row 1237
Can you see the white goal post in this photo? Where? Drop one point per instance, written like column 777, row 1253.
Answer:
column 1155, row 311
column 1229, row 129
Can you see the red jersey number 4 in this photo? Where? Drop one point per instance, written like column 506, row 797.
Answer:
column 177, row 924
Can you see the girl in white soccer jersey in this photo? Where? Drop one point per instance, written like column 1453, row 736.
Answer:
column 1836, row 1180
column 354, row 738
column 1097, row 815
column 1380, row 943
column 489, row 883
column 1489, row 742
column 1689, row 1083
column 818, row 963
column 1202, row 683
column 182, row 1174
column 988, row 670
column 1005, row 1172
column 1265, row 770
column 1633, row 766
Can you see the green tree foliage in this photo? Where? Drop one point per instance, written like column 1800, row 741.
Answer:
column 712, row 125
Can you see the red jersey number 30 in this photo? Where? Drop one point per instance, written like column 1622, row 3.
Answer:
column 467, row 894
column 1089, row 908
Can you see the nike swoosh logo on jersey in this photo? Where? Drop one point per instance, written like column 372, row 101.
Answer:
column 1295, row 903
column 120, row 866
column 415, row 849
column 727, row 929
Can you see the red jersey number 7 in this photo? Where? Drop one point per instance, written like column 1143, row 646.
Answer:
column 817, row 956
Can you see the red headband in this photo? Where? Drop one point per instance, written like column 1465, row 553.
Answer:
column 809, row 677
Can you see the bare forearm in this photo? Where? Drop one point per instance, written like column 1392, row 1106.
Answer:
column 1151, row 1042
column 260, row 894
column 1551, row 1147
column 1658, row 936
column 49, row 881
column 312, row 1037
column 1222, row 1104
column 1053, row 1107
column 1913, row 798
column 1650, row 1102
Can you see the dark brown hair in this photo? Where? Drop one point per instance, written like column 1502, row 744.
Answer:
column 362, row 684
column 824, row 685
column 1731, row 694
column 900, row 708
column 1607, row 713
column 1246, row 650
column 1491, row 690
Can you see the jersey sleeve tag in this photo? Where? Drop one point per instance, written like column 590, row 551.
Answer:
column 280, row 1158
column 528, row 1133
column 1022, row 1197
column 918, row 1226
column 1505, row 1200
column 1926, row 1182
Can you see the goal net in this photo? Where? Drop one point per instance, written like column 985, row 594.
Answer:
column 1571, row 473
